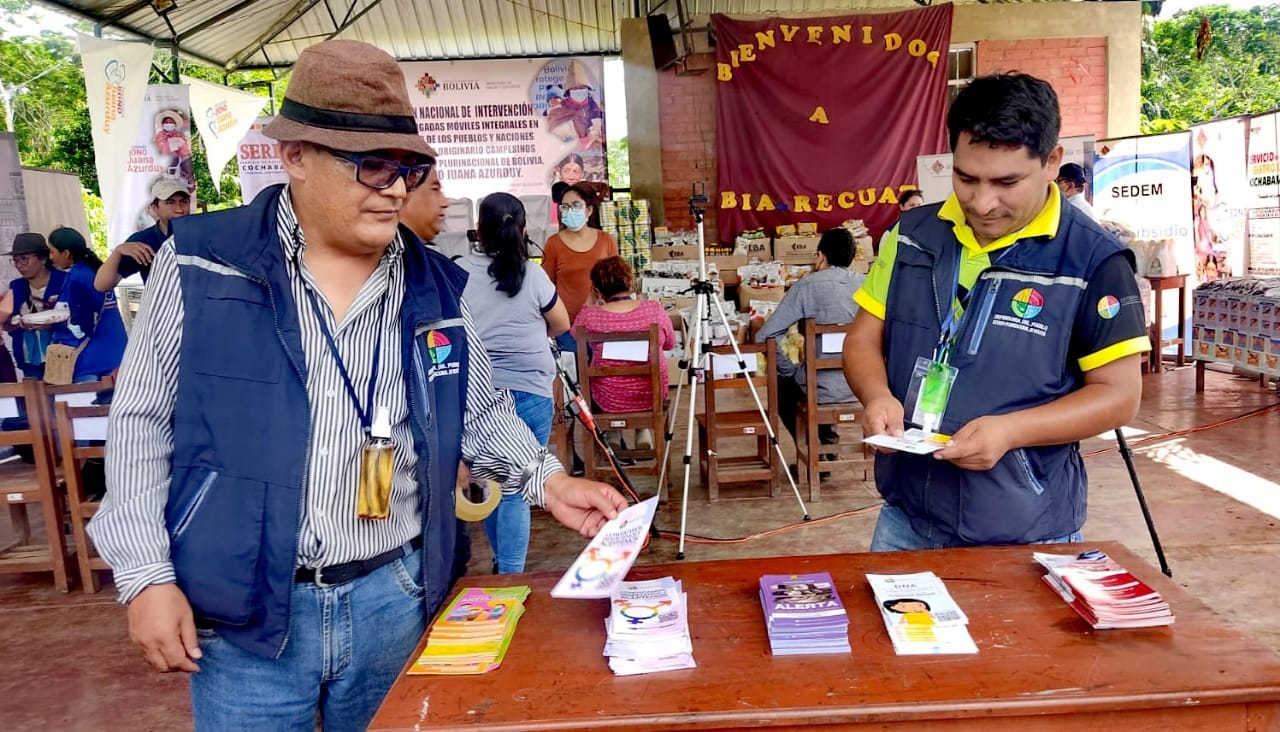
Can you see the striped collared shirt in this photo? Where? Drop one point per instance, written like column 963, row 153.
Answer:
column 129, row 529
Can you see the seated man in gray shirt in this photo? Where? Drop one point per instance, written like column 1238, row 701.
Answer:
column 826, row 295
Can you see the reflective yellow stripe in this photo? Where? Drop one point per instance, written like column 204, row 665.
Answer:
column 1137, row 344
column 869, row 303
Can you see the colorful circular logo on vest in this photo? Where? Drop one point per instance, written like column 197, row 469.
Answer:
column 1027, row 303
column 438, row 347
column 1108, row 307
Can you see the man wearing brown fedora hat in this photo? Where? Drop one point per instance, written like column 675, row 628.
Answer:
column 289, row 421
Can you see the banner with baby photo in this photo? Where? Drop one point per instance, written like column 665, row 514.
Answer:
column 161, row 148
column 1219, row 197
column 513, row 125
column 821, row 119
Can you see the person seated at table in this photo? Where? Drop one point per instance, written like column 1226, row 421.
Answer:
column 826, row 295
column 618, row 311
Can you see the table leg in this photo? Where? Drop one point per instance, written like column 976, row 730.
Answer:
column 1199, row 376
column 1155, row 352
column 1182, row 319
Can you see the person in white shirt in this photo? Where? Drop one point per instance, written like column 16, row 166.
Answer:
column 1071, row 181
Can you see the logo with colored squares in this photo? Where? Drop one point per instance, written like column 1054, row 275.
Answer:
column 1108, row 307
column 1027, row 303
column 438, row 347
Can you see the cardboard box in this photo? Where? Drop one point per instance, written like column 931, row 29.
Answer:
column 793, row 247
column 761, row 249
column 680, row 252
column 728, row 266
column 747, row 293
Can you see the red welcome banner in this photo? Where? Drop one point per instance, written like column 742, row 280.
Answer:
column 821, row 119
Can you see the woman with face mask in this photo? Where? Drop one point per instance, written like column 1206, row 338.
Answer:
column 568, row 258
column 570, row 254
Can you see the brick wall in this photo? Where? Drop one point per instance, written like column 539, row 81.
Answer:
column 1077, row 68
column 688, row 133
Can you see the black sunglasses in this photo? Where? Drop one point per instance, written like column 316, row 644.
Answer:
column 380, row 173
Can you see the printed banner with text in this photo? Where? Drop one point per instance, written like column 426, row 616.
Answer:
column 512, row 125
column 1143, row 186
column 115, row 80
column 161, row 147
column 821, row 119
column 259, row 161
column 222, row 115
column 1264, row 199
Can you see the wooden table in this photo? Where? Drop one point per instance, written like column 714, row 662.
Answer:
column 1039, row 665
column 1158, row 287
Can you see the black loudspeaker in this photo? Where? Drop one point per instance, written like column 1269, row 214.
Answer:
column 663, row 41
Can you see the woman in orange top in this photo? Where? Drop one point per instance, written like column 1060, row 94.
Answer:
column 571, row 253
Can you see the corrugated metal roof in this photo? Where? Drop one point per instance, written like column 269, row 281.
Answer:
column 255, row 33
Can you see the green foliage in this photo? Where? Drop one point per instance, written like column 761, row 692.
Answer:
column 97, row 222
column 619, row 161
column 1236, row 76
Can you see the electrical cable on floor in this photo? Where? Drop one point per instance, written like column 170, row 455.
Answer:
column 696, row 539
column 1189, row 431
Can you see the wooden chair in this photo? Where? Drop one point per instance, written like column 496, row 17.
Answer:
column 81, row 424
column 653, row 418
column 716, row 424
column 23, row 484
column 810, row 455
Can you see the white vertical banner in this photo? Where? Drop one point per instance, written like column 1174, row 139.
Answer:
column 160, row 147
column 1143, row 185
column 934, row 175
column 115, row 79
column 259, row 160
column 222, row 115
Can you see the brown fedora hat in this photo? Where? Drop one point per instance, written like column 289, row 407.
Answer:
column 348, row 95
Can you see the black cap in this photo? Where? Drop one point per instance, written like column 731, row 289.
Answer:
column 28, row 243
column 1072, row 172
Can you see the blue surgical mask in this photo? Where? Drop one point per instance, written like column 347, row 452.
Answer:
column 579, row 95
column 574, row 219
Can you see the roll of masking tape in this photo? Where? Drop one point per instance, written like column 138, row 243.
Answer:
column 469, row 510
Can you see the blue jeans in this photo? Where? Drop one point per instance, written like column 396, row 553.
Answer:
column 894, row 533
column 346, row 646
column 508, row 526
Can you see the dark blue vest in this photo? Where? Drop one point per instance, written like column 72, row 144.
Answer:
column 241, row 422
column 21, row 295
column 1012, row 353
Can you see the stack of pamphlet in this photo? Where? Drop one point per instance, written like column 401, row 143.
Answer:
column 1103, row 592
column 648, row 627
column 920, row 615
column 803, row 614
column 472, row 634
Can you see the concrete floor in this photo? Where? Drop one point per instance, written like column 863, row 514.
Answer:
column 66, row 662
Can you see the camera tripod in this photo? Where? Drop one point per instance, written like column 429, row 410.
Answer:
column 697, row 363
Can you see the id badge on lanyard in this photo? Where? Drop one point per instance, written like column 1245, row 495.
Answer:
column 932, row 378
